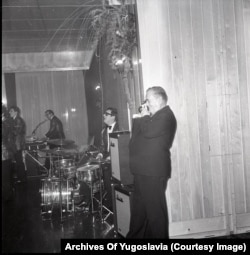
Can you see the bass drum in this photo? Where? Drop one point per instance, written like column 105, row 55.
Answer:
column 56, row 194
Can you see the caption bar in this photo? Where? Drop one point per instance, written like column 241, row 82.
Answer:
column 171, row 246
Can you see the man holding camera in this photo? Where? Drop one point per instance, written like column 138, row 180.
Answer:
column 150, row 163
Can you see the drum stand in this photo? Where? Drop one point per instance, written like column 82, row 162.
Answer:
column 37, row 161
column 100, row 200
column 71, row 212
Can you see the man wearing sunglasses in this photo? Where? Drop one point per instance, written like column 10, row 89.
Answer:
column 110, row 120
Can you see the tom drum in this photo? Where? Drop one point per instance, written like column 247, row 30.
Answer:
column 88, row 173
column 62, row 163
column 64, row 168
column 68, row 172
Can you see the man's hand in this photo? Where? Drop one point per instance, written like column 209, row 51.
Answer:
column 144, row 110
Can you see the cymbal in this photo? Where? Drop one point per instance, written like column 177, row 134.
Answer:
column 97, row 161
column 59, row 152
column 47, row 150
column 60, row 142
column 49, row 156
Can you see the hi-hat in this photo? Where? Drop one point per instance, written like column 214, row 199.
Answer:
column 60, row 142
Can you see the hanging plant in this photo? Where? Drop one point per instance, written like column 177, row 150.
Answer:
column 116, row 25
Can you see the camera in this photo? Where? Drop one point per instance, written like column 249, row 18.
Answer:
column 143, row 106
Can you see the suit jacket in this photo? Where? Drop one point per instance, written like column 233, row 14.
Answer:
column 8, row 140
column 150, row 143
column 104, row 142
column 56, row 129
column 18, row 128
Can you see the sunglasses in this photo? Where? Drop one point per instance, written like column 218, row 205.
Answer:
column 107, row 113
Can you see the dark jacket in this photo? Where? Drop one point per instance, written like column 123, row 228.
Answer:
column 8, row 140
column 18, row 129
column 150, row 143
column 56, row 129
column 104, row 142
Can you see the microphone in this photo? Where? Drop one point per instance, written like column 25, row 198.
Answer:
column 34, row 131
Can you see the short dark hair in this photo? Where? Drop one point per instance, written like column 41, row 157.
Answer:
column 113, row 112
column 49, row 112
column 157, row 90
column 15, row 108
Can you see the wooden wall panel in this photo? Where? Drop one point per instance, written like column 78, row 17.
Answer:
column 209, row 74
column 234, row 112
column 199, row 103
column 246, row 115
column 175, row 188
column 242, row 10
column 223, row 131
column 202, row 120
column 190, row 109
column 182, row 134
column 213, row 97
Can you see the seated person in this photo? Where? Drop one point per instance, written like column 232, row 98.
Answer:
column 110, row 120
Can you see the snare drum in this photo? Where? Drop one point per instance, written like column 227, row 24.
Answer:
column 52, row 198
column 88, row 173
column 63, row 163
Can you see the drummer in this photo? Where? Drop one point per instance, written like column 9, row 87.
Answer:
column 110, row 119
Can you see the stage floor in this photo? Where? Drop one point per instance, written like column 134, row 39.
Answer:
column 24, row 231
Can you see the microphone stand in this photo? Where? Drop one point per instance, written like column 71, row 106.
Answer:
column 39, row 124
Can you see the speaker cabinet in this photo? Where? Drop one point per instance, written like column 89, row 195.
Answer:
column 119, row 152
column 122, row 199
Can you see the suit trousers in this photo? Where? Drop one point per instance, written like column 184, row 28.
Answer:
column 7, row 182
column 20, row 167
column 149, row 215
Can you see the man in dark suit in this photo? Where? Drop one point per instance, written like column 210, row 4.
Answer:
column 56, row 127
column 55, row 132
column 18, row 129
column 111, row 125
column 8, row 148
column 150, row 163
column 110, row 119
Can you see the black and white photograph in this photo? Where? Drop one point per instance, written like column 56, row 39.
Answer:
column 125, row 126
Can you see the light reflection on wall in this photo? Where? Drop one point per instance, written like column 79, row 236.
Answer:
column 66, row 115
column 4, row 98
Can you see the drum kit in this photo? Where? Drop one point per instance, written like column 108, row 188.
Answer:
column 70, row 186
